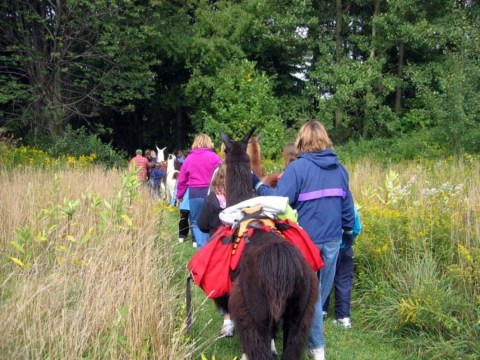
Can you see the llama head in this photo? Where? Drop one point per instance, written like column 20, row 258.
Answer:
column 236, row 150
column 160, row 154
column 171, row 163
column 238, row 184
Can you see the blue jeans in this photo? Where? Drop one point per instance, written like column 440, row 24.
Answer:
column 200, row 237
column 329, row 251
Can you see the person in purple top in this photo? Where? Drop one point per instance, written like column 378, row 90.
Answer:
column 195, row 175
column 317, row 186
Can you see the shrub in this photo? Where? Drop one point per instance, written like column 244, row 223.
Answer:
column 414, row 146
column 80, row 142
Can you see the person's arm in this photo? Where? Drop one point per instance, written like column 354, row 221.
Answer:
column 182, row 179
column 288, row 185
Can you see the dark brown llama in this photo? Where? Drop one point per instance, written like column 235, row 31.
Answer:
column 274, row 284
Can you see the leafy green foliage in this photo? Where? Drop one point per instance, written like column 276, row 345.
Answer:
column 264, row 33
column 243, row 98
column 159, row 68
column 419, row 145
column 86, row 54
column 80, row 142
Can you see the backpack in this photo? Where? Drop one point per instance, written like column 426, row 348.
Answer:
column 212, row 265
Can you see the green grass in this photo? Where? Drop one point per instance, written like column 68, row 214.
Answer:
column 341, row 344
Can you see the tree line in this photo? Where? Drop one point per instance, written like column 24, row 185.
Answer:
column 145, row 72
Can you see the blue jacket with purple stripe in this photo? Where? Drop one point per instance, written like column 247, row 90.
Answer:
column 317, row 187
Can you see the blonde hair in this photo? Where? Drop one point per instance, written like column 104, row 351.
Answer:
column 202, row 141
column 289, row 153
column 311, row 137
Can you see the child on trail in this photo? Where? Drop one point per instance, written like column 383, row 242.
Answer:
column 289, row 155
column 215, row 202
column 343, row 281
column 183, row 223
column 209, row 221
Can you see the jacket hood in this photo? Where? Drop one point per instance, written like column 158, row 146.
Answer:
column 326, row 159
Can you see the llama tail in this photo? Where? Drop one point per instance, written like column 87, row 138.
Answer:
column 281, row 270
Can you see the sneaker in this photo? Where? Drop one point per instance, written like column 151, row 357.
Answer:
column 317, row 354
column 194, row 244
column 227, row 328
column 324, row 314
column 181, row 240
column 345, row 323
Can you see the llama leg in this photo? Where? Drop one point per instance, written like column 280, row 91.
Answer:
column 298, row 319
column 256, row 346
column 256, row 343
column 293, row 337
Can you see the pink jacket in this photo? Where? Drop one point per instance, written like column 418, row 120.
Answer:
column 197, row 170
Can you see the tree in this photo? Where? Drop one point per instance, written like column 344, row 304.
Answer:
column 268, row 33
column 447, row 87
column 67, row 59
column 243, row 98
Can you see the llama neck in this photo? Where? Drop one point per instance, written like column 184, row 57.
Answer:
column 254, row 153
column 238, row 179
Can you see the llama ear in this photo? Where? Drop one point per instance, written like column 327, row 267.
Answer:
column 248, row 135
column 225, row 139
column 259, row 136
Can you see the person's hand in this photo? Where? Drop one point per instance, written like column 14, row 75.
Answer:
column 347, row 238
column 179, row 201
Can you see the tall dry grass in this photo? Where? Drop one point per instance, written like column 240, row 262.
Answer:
column 94, row 277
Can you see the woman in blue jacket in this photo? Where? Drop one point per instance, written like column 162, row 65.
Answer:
column 317, row 186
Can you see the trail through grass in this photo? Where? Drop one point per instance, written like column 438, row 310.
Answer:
column 341, row 344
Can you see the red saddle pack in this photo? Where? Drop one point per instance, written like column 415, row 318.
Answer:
column 293, row 233
column 211, row 266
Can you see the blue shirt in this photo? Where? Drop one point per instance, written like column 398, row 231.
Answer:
column 157, row 174
column 317, row 186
